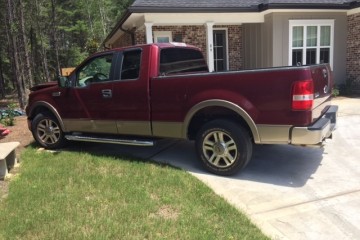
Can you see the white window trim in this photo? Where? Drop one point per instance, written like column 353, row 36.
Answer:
column 158, row 34
column 227, row 45
column 318, row 23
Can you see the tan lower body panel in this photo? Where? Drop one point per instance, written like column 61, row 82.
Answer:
column 141, row 128
column 109, row 127
column 274, row 134
column 168, row 129
column 85, row 125
column 269, row 134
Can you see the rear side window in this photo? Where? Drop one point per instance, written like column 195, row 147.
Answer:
column 130, row 68
column 181, row 60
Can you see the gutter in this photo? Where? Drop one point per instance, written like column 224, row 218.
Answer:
column 136, row 9
column 118, row 26
column 316, row 6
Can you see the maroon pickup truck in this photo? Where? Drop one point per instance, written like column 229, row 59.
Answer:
column 138, row 94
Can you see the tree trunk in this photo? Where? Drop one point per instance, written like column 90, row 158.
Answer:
column 43, row 50
column 2, row 80
column 14, row 56
column 54, row 35
column 28, row 71
column 103, row 17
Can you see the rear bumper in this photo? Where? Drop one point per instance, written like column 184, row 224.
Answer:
column 316, row 133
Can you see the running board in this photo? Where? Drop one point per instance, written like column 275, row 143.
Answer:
column 146, row 143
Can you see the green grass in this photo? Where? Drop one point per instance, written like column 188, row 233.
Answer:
column 74, row 195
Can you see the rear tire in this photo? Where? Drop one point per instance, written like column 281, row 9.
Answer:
column 47, row 132
column 223, row 147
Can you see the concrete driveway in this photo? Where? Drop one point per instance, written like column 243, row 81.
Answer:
column 289, row 192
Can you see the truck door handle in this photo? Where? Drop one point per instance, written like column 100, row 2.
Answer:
column 106, row 93
column 56, row 94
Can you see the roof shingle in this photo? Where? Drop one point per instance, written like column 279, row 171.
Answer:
column 227, row 3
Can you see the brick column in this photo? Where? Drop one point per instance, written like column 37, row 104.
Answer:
column 353, row 50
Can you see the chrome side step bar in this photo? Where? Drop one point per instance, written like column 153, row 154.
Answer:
column 146, row 143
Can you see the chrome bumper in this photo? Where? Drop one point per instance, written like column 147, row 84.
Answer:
column 316, row 133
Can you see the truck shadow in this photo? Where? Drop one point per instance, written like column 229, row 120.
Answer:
column 281, row 165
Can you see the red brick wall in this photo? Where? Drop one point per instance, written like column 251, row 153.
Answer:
column 196, row 35
column 140, row 36
column 353, row 49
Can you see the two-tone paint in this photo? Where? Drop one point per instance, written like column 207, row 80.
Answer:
column 175, row 106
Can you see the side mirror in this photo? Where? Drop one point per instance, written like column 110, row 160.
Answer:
column 63, row 82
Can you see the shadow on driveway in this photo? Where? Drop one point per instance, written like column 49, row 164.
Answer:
column 281, row 165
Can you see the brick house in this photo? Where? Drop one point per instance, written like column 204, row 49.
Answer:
column 243, row 34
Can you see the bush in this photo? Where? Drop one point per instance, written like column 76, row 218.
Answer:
column 7, row 116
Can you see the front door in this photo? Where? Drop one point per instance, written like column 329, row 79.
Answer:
column 87, row 105
column 220, row 50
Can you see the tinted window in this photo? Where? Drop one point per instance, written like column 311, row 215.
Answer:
column 181, row 60
column 130, row 68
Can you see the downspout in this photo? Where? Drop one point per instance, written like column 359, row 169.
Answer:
column 131, row 33
column 119, row 25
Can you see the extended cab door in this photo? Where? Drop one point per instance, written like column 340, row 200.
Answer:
column 131, row 92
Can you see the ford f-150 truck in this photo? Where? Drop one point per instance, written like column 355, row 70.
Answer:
column 139, row 94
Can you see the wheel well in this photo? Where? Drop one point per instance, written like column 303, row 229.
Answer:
column 40, row 109
column 211, row 113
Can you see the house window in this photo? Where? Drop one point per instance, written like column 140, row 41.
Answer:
column 162, row 36
column 220, row 50
column 311, row 42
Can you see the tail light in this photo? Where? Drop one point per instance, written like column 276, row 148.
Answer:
column 303, row 95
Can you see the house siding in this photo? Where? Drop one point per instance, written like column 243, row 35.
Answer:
column 353, row 50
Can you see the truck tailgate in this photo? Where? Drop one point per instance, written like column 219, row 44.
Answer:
column 323, row 84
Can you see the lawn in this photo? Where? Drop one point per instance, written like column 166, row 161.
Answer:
column 76, row 195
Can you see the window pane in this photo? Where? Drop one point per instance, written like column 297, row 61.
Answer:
column 298, row 34
column 219, row 65
column 219, row 38
column 324, row 55
column 310, row 56
column 325, row 36
column 311, row 38
column 97, row 70
column 297, row 57
column 181, row 60
column 163, row 39
column 131, row 65
column 219, row 53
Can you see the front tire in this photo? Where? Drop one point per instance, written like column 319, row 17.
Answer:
column 47, row 131
column 223, row 147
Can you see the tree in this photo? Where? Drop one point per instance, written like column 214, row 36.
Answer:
column 14, row 52
column 43, row 36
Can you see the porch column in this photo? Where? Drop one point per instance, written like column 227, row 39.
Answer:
column 210, row 45
column 149, row 35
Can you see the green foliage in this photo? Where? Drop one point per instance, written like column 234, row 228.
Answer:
column 335, row 92
column 60, row 33
column 73, row 195
column 7, row 116
column 344, row 89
